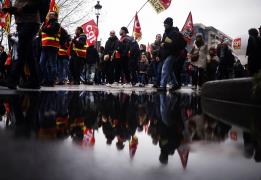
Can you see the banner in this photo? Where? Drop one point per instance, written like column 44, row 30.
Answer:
column 237, row 43
column 160, row 5
column 92, row 32
column 188, row 28
column 137, row 29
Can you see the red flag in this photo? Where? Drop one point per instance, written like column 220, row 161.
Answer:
column 160, row 5
column 136, row 28
column 237, row 43
column 53, row 6
column 92, row 32
column 188, row 28
column 183, row 151
column 133, row 144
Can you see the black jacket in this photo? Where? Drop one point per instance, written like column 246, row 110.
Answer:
column 170, row 39
column 92, row 55
column 124, row 46
column 111, row 45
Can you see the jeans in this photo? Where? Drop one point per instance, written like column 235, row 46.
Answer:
column 63, row 68
column 143, row 78
column 158, row 72
column 48, row 62
column 167, row 71
column 89, row 72
column 26, row 33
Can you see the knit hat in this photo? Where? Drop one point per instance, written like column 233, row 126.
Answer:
column 125, row 29
column 169, row 21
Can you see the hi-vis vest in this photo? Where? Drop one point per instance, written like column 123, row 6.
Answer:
column 62, row 52
column 80, row 52
column 51, row 40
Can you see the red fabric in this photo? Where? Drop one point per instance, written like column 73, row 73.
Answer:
column 165, row 3
column 92, row 32
column 188, row 28
column 136, row 28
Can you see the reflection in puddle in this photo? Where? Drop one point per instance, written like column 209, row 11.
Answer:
column 145, row 126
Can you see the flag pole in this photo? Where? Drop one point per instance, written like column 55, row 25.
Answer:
column 138, row 12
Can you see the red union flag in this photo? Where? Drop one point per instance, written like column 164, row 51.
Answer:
column 188, row 28
column 237, row 43
column 160, row 5
column 136, row 28
column 53, row 7
column 92, row 32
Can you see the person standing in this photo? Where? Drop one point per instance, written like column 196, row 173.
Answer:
column 170, row 49
column 3, row 57
column 91, row 59
column 253, row 52
column 226, row 60
column 78, row 55
column 134, row 57
column 156, row 62
column 28, row 16
column 110, row 57
column 212, row 64
column 124, row 48
column 63, row 57
column 51, row 32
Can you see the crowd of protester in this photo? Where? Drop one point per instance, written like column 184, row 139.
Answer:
column 47, row 55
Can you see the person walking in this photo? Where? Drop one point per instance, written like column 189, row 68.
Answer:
column 171, row 47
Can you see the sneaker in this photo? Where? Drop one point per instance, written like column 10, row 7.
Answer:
column 174, row 88
column 162, row 89
column 10, row 85
column 127, row 85
column 108, row 85
column 115, row 85
column 29, row 86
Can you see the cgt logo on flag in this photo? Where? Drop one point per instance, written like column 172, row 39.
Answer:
column 237, row 43
column 92, row 32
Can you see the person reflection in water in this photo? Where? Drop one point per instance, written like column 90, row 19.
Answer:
column 170, row 127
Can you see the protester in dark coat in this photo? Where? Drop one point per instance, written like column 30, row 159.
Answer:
column 253, row 52
column 133, row 61
column 171, row 47
column 91, row 59
column 109, row 57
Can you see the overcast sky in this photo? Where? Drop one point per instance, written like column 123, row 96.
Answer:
column 233, row 17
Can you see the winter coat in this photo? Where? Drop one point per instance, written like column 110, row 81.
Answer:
column 171, row 45
column 155, row 49
column 124, row 46
column 111, row 45
column 92, row 55
column 202, row 59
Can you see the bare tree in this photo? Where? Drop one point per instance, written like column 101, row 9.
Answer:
column 74, row 13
